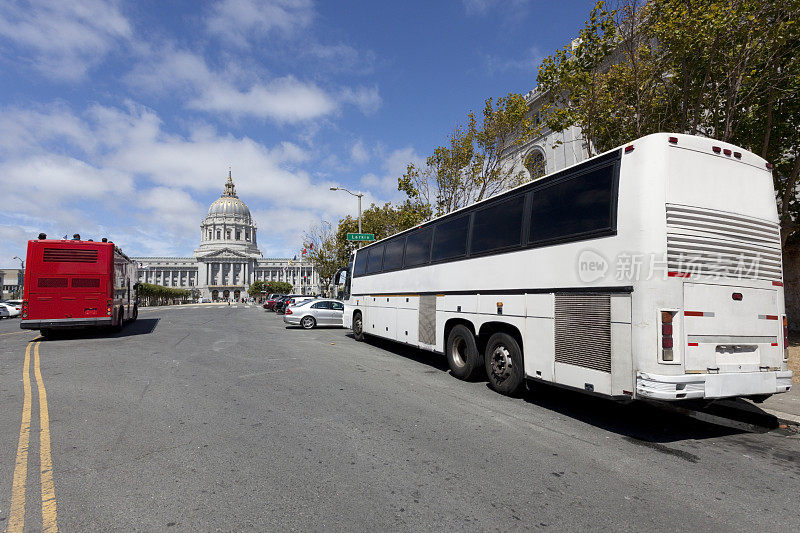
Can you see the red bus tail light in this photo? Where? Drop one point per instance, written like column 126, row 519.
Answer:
column 24, row 308
column 108, row 307
column 785, row 339
column 667, row 353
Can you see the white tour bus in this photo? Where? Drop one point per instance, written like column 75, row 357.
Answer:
column 650, row 271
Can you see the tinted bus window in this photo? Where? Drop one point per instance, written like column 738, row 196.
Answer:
column 361, row 263
column 393, row 257
column 450, row 238
column 499, row 225
column 418, row 247
column 573, row 207
column 375, row 260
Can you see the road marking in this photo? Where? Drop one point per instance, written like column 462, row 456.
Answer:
column 16, row 521
column 16, row 518
column 49, row 511
column 15, row 333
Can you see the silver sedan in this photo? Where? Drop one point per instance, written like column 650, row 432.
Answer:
column 314, row 313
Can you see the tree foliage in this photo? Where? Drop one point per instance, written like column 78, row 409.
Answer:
column 470, row 166
column 725, row 69
column 321, row 250
column 160, row 295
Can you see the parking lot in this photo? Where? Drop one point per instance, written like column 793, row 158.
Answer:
column 213, row 417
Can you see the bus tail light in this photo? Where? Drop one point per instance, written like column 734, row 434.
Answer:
column 24, row 309
column 727, row 151
column 785, row 339
column 667, row 353
column 673, row 140
column 716, row 149
column 108, row 307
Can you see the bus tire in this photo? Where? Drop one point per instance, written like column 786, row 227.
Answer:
column 47, row 333
column 463, row 357
column 358, row 326
column 116, row 328
column 503, row 362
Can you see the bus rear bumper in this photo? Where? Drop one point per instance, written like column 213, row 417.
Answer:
column 65, row 323
column 725, row 385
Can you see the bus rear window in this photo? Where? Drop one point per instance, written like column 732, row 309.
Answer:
column 69, row 255
column 575, row 206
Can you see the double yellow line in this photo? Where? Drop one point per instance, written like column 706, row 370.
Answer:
column 16, row 519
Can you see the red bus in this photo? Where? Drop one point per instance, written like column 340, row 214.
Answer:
column 76, row 284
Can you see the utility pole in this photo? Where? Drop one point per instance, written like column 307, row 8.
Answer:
column 359, row 195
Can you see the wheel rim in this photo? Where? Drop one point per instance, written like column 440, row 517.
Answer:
column 308, row 322
column 502, row 363
column 459, row 348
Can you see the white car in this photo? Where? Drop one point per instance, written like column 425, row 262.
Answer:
column 12, row 307
column 312, row 313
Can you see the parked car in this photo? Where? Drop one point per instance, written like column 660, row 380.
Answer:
column 313, row 313
column 279, row 303
column 271, row 300
column 12, row 307
column 4, row 312
column 291, row 299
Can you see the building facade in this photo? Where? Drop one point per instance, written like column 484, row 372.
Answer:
column 11, row 283
column 228, row 260
column 549, row 152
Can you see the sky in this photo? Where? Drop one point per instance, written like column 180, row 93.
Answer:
column 121, row 119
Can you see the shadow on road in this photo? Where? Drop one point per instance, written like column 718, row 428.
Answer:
column 648, row 424
column 143, row 326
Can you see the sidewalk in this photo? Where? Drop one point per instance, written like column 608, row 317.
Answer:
column 786, row 405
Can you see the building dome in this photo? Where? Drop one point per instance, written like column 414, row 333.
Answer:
column 229, row 203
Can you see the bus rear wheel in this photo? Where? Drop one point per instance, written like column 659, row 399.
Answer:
column 503, row 361
column 358, row 327
column 463, row 357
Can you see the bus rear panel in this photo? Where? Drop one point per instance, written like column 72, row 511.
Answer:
column 75, row 284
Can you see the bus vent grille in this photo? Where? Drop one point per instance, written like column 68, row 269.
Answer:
column 69, row 255
column 86, row 282
column 427, row 318
column 583, row 330
column 720, row 244
column 52, row 282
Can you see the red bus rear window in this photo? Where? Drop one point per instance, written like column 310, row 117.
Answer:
column 69, row 255
column 52, row 282
column 84, row 282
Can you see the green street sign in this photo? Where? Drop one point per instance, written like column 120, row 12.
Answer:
column 360, row 236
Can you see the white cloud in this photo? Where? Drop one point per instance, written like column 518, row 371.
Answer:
column 64, row 39
column 367, row 99
column 284, row 100
column 240, row 93
column 239, row 21
column 359, row 153
column 394, row 166
column 528, row 62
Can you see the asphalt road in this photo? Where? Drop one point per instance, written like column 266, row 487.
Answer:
column 220, row 419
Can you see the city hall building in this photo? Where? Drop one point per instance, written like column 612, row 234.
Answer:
column 228, row 260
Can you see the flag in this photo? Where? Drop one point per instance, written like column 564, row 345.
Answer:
column 294, row 258
column 311, row 245
column 304, row 251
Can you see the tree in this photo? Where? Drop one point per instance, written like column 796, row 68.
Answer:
column 725, row 69
column 470, row 167
column 321, row 250
column 256, row 288
column 383, row 221
column 160, row 295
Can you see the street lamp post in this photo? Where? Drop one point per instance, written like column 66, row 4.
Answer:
column 359, row 195
column 21, row 278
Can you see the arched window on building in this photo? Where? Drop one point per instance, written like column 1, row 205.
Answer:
column 535, row 164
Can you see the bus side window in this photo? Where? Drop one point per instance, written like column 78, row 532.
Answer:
column 418, row 247
column 450, row 238
column 361, row 263
column 498, row 226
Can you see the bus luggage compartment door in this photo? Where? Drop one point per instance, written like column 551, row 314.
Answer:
column 730, row 328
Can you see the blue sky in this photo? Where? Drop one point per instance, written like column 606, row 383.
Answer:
column 120, row 119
